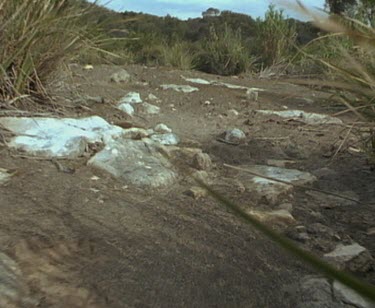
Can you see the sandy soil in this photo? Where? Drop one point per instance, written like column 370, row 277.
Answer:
column 91, row 243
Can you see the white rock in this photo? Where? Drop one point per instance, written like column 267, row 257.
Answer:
column 51, row 137
column 353, row 257
column 120, row 76
column 137, row 163
column 306, row 117
column 232, row 113
column 88, row 67
column 280, row 218
column 349, row 297
column 179, row 88
column 152, row 97
column 235, row 136
column 270, row 191
column 197, row 80
column 136, row 133
column 127, row 108
column 162, row 128
column 131, row 98
column 148, row 108
column 166, row 139
column 202, row 161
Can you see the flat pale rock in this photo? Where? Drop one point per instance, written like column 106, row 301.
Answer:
column 136, row 163
column 305, row 117
column 120, row 76
column 53, row 137
column 352, row 257
column 179, row 88
column 280, row 218
column 271, row 191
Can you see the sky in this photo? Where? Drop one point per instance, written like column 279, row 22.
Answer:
column 185, row 9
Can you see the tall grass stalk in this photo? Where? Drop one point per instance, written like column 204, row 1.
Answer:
column 35, row 38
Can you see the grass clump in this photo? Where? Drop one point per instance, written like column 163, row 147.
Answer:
column 36, row 37
column 275, row 37
column 179, row 55
column 224, row 53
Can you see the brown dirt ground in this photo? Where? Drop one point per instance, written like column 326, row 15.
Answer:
column 87, row 243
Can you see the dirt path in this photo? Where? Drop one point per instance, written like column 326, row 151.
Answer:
column 84, row 240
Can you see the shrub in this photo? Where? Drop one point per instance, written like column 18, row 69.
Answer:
column 275, row 37
column 224, row 53
column 178, row 55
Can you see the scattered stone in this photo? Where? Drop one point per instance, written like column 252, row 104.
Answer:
column 197, row 192
column 270, row 191
column 4, row 176
column 233, row 136
column 152, row 97
column 202, row 161
column 166, row 139
column 349, row 297
column 148, row 108
column 232, row 113
column 305, row 117
column 354, row 257
column 127, row 108
column 52, row 137
column 88, row 67
column 197, row 80
column 179, row 88
column 252, row 94
column 94, row 99
column 240, row 187
column 135, row 162
column 131, row 98
column 136, row 133
column 317, row 292
column 162, row 129
column 278, row 218
column 202, row 176
column 120, row 76
column 280, row 163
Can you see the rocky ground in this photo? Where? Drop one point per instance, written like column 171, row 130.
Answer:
column 104, row 213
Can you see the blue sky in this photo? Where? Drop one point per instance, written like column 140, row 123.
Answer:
column 193, row 8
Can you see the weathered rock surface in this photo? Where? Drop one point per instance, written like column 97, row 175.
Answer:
column 136, row 162
column 234, row 136
column 278, row 218
column 306, row 117
column 127, row 108
column 318, row 292
column 162, row 128
column 149, row 109
column 179, row 88
column 354, row 257
column 196, row 192
column 166, row 139
column 202, row 161
column 272, row 191
column 121, row 76
column 50, row 137
column 131, row 98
